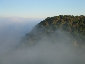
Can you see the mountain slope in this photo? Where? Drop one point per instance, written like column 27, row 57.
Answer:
column 51, row 26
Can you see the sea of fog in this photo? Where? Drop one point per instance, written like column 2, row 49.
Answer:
column 12, row 30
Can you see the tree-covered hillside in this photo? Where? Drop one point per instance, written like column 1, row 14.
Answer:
column 68, row 23
column 74, row 25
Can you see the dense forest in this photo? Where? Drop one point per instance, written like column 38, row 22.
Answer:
column 74, row 25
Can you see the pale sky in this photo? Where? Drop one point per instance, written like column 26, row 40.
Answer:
column 41, row 8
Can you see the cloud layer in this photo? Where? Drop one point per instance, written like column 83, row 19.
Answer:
column 45, row 52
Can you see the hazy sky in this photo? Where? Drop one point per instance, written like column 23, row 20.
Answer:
column 40, row 8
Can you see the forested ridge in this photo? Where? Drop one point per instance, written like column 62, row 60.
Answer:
column 67, row 22
column 75, row 25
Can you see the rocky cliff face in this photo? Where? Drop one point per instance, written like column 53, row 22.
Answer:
column 58, row 28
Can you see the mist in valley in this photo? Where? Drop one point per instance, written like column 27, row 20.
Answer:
column 44, row 52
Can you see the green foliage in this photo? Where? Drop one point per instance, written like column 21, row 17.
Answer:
column 75, row 25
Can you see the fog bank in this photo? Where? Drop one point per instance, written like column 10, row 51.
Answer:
column 44, row 52
column 12, row 30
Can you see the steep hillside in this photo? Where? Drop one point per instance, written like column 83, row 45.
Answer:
column 51, row 26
